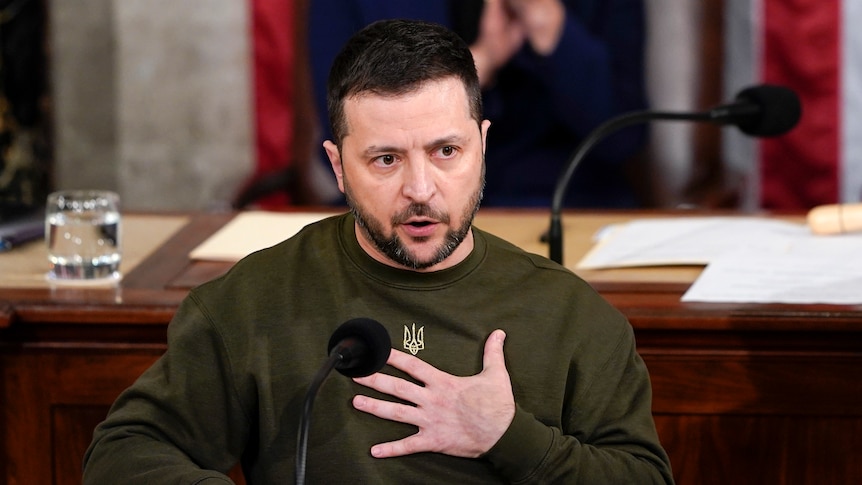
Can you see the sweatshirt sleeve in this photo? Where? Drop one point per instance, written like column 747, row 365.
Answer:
column 609, row 438
column 181, row 421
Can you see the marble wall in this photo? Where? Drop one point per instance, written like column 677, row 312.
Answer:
column 152, row 98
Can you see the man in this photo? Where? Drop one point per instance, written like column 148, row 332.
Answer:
column 568, row 400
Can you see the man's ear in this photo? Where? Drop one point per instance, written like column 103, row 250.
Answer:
column 335, row 161
column 486, row 124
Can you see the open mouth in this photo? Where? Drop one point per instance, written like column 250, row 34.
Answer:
column 420, row 228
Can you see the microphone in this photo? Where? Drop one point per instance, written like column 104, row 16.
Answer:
column 835, row 218
column 359, row 347
column 764, row 110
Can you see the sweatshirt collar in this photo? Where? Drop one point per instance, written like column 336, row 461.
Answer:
column 406, row 278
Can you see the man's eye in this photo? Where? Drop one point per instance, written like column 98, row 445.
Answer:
column 447, row 151
column 386, row 159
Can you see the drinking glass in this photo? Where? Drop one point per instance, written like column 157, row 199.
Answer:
column 83, row 233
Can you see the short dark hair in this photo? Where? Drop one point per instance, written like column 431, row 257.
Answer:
column 394, row 57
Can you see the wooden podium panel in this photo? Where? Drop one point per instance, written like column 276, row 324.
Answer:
column 53, row 397
column 742, row 393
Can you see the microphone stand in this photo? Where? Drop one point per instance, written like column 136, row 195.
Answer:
column 305, row 417
column 757, row 111
column 358, row 348
column 555, row 233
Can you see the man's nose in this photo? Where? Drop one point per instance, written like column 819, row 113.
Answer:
column 419, row 181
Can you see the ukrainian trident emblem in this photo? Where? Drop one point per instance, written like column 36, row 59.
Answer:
column 414, row 340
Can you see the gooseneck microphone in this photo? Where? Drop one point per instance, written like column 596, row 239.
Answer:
column 357, row 348
column 763, row 110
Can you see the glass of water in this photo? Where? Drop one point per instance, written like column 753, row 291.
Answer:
column 83, row 232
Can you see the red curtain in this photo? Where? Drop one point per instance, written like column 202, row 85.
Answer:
column 802, row 50
column 273, row 57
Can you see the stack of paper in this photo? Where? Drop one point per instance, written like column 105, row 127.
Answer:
column 251, row 231
column 747, row 259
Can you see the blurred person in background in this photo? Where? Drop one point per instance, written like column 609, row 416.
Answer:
column 551, row 71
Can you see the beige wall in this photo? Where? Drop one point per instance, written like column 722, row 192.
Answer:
column 152, row 98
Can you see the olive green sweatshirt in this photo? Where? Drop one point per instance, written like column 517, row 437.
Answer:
column 243, row 349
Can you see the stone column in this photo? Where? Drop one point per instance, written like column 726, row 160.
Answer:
column 153, row 99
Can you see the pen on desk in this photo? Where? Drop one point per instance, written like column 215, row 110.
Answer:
column 16, row 233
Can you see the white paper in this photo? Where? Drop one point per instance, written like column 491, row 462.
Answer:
column 748, row 259
column 251, row 231
column 684, row 240
column 809, row 269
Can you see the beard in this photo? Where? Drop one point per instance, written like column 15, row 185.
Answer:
column 395, row 249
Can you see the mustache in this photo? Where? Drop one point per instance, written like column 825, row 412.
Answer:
column 419, row 210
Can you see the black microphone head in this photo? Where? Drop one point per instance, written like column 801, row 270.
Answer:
column 780, row 110
column 365, row 344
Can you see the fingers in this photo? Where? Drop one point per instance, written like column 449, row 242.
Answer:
column 391, row 411
column 406, row 446
column 459, row 416
column 494, row 358
column 413, row 366
column 393, row 386
column 424, row 372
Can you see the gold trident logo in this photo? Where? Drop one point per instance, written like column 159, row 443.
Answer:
column 413, row 341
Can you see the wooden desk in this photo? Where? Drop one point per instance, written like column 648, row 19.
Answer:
column 743, row 393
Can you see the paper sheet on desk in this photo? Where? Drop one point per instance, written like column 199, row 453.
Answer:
column 809, row 269
column 748, row 259
column 251, row 231
column 683, row 240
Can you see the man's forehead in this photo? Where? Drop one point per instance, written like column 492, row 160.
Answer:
column 440, row 101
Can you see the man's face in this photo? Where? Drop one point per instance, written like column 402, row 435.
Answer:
column 412, row 170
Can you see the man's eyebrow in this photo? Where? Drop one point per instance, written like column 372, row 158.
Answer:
column 446, row 140
column 379, row 149
column 442, row 141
